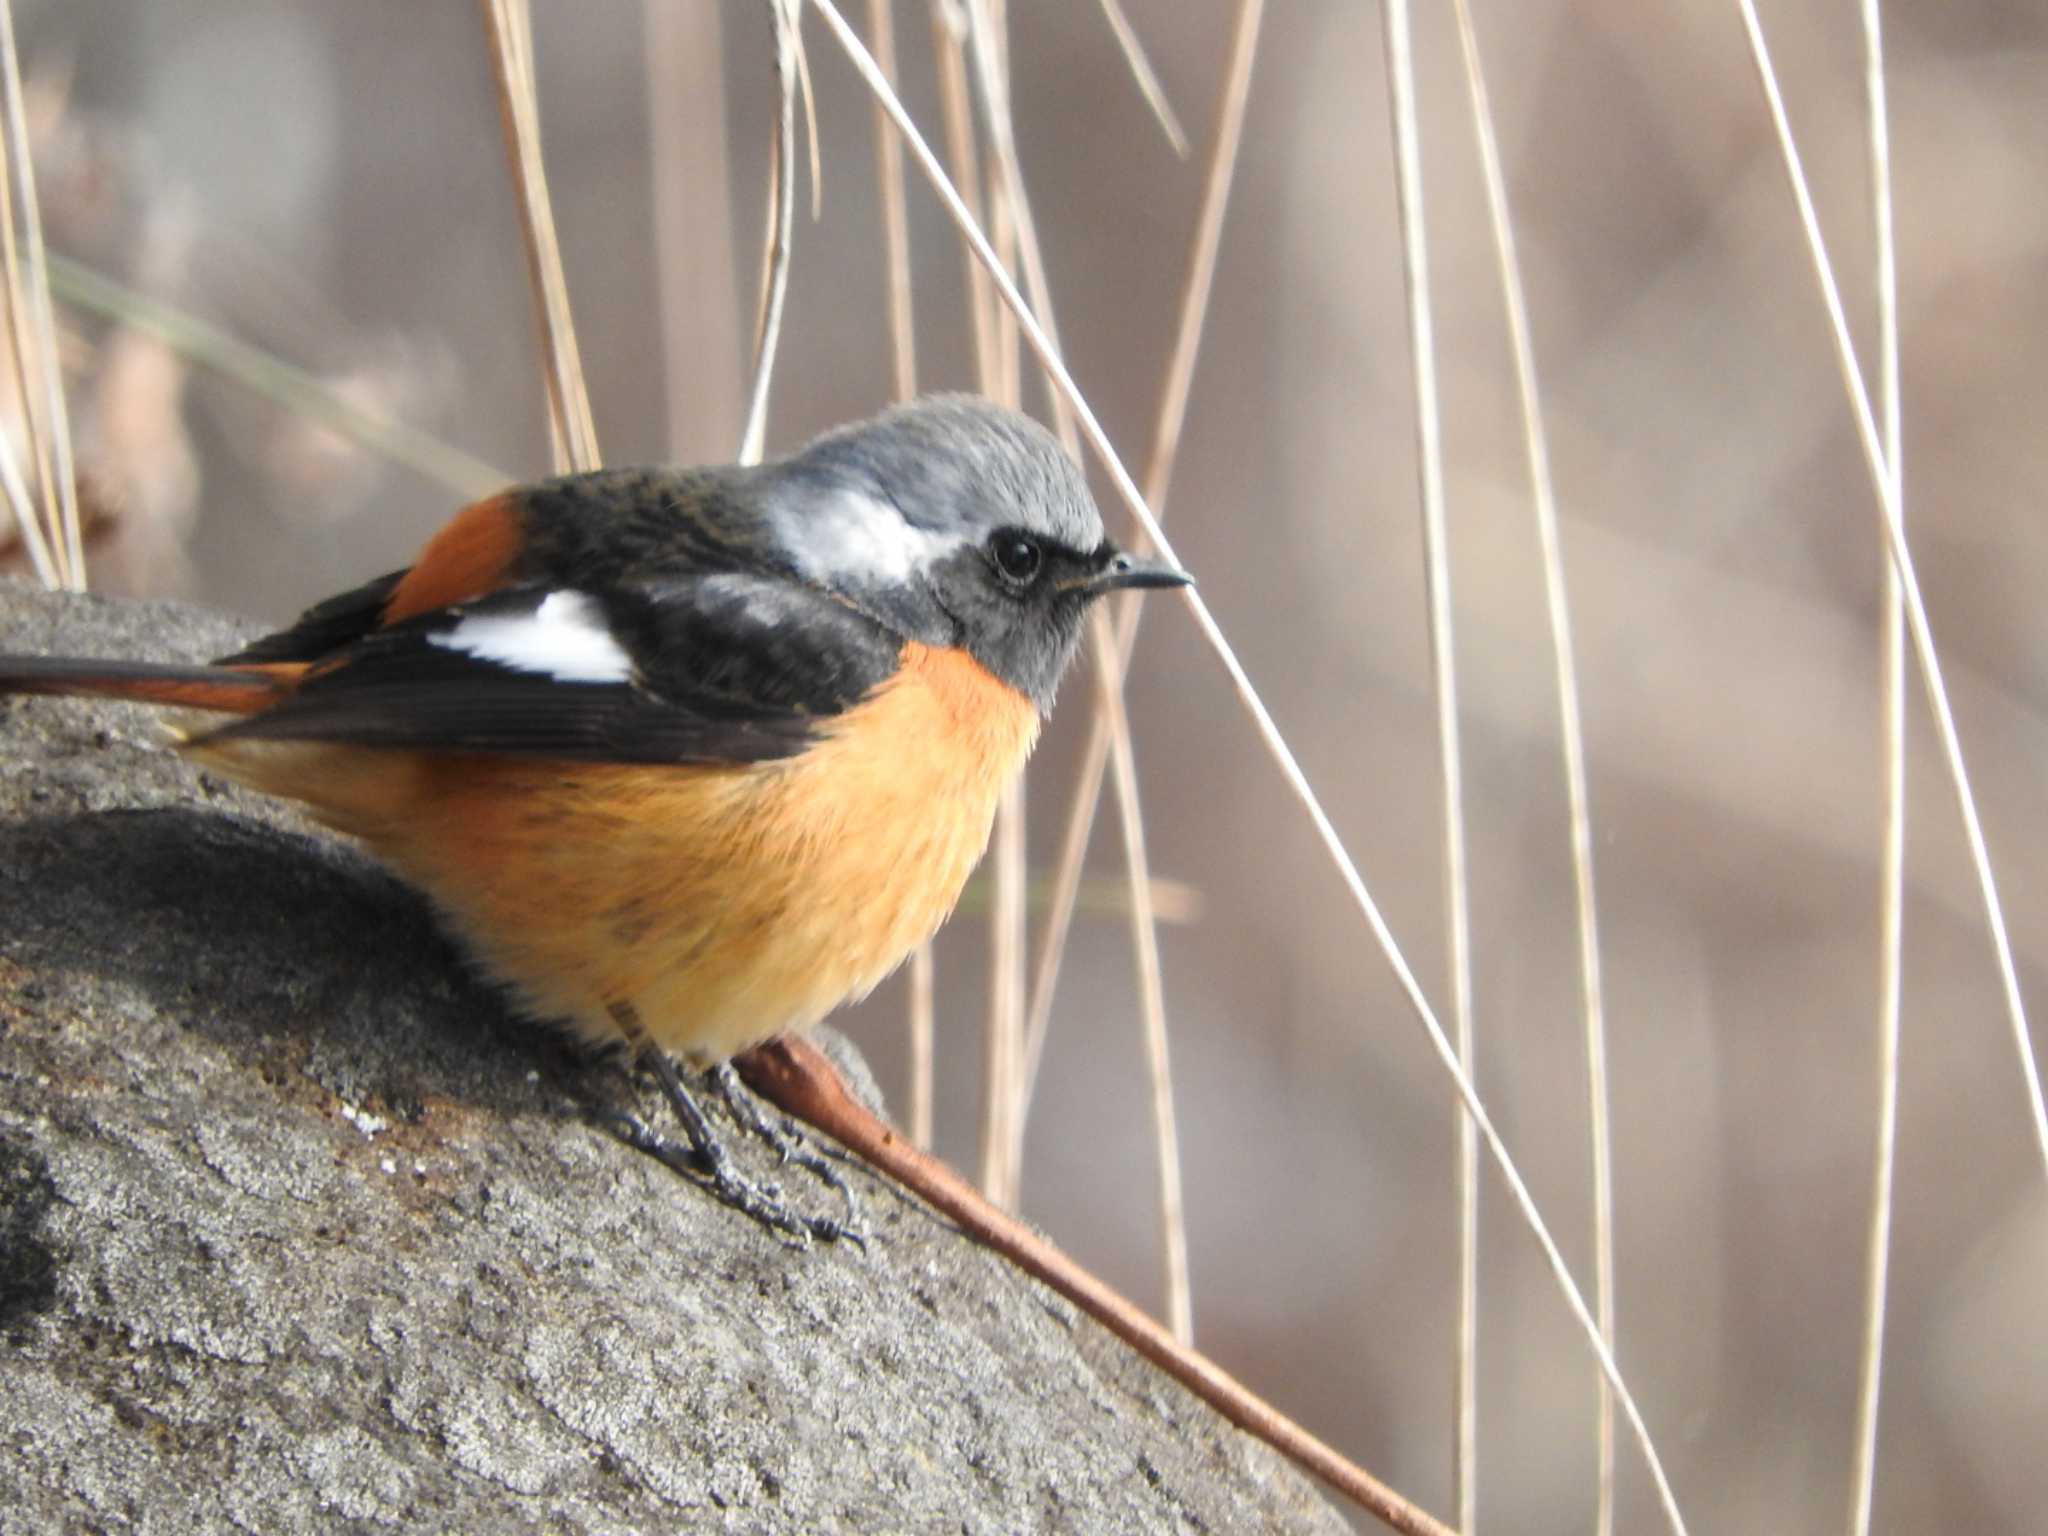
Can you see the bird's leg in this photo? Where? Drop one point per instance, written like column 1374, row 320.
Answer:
column 705, row 1158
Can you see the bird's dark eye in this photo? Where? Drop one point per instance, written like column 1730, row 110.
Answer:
column 1017, row 556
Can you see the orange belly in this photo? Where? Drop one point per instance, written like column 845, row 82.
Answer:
column 724, row 905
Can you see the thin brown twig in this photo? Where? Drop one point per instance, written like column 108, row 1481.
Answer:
column 797, row 1077
column 508, row 26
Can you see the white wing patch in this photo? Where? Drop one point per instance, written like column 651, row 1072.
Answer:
column 565, row 638
column 852, row 535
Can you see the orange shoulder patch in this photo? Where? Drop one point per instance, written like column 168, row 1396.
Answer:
column 466, row 559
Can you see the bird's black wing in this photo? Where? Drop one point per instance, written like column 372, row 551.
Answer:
column 325, row 626
column 718, row 668
column 594, row 531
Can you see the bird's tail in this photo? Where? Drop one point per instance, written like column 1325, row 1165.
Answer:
column 226, row 690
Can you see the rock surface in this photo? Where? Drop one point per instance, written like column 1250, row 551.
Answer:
column 298, row 1232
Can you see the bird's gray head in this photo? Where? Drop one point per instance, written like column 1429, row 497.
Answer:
column 956, row 522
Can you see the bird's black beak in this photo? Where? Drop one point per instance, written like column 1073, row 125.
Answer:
column 1129, row 571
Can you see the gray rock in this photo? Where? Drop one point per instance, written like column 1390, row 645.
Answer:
column 299, row 1232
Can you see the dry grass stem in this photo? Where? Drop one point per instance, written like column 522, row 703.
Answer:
column 1006, row 380
column 29, row 308
column 781, row 230
column 956, row 116
column 1165, row 448
column 1002, row 1133
column 988, row 23
column 1892, row 890
column 1146, row 77
column 1066, row 888
column 988, row 38
column 25, row 514
column 921, row 1021
column 527, row 84
column 922, row 1017
column 1276, row 747
column 802, row 61
column 1174, row 902
column 1173, row 1239
column 1436, row 557
column 1571, row 739
column 508, row 24
column 695, row 283
column 985, row 40
column 30, row 515
column 288, row 387
column 1012, row 206
column 956, row 107
column 1234, row 95
column 895, row 212
column 1890, row 511
column 1001, row 1140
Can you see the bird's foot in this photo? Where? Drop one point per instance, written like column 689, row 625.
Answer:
column 704, row 1159
column 790, row 1142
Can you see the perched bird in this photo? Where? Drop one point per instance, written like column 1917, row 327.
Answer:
column 688, row 757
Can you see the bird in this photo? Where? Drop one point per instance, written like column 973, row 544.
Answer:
column 686, row 758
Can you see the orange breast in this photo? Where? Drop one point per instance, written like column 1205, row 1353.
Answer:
column 727, row 905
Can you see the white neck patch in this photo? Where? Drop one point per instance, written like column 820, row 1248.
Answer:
column 564, row 638
column 852, row 536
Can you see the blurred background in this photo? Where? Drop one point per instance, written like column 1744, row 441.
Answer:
column 327, row 184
